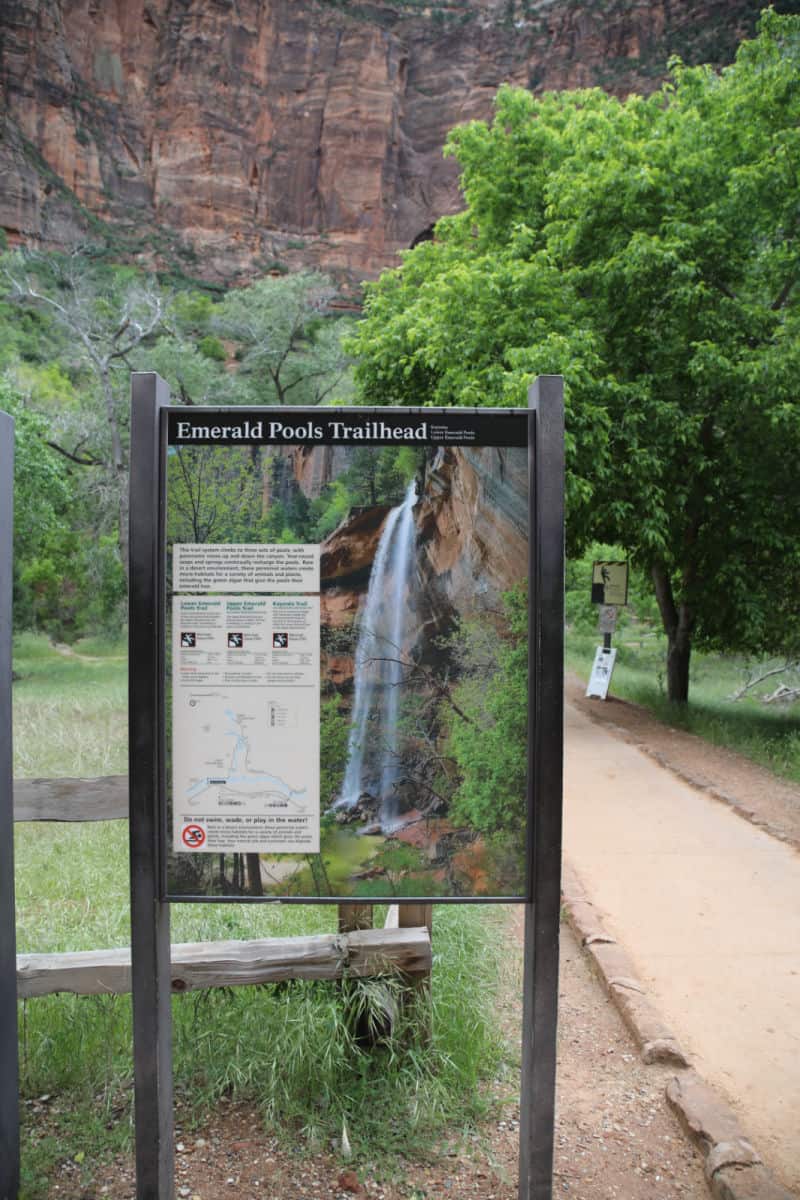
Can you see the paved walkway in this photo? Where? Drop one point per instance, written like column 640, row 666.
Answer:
column 708, row 907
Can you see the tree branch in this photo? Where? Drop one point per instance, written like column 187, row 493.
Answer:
column 754, row 682
column 87, row 460
column 784, row 294
column 415, row 669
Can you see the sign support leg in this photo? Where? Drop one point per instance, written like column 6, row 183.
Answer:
column 150, row 941
column 9, row 1062
column 546, row 670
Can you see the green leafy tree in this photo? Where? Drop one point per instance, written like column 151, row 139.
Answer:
column 334, row 736
column 194, row 377
column 47, row 570
column 289, row 344
column 214, row 494
column 648, row 250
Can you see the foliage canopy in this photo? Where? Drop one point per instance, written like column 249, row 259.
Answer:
column 647, row 250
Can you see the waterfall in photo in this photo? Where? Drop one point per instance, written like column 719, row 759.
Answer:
column 372, row 750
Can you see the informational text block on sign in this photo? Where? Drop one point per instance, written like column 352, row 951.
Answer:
column 244, row 567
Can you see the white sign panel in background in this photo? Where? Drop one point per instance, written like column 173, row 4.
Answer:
column 600, row 678
column 607, row 618
column 245, row 724
column 245, row 567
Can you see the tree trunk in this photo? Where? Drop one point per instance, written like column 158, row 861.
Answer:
column 123, row 540
column 679, row 650
column 119, row 466
column 678, row 622
column 254, row 886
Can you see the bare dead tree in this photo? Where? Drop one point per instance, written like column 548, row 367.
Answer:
column 783, row 692
column 107, row 320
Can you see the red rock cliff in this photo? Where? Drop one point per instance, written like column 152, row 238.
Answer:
column 230, row 136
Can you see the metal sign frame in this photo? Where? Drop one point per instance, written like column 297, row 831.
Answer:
column 149, row 903
column 9, row 1054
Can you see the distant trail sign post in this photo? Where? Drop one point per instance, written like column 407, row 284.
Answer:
column 610, row 583
column 236, row 628
column 610, row 592
column 9, row 1069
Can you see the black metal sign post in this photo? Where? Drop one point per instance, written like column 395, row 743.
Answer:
column 152, row 433
column 150, row 946
column 545, row 770
column 9, row 1066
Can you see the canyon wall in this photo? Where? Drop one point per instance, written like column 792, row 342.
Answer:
column 228, row 138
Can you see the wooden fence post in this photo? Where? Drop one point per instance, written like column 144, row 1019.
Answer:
column 413, row 916
column 9, row 1058
column 150, row 949
column 354, row 916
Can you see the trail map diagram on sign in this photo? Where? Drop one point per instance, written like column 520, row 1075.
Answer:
column 245, row 724
column 241, row 782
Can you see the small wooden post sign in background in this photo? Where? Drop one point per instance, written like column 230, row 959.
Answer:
column 610, row 592
column 610, row 583
column 239, row 630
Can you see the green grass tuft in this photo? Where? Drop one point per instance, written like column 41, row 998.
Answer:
column 70, row 708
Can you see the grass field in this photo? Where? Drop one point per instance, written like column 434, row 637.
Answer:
column 70, row 708
column 768, row 734
column 288, row 1047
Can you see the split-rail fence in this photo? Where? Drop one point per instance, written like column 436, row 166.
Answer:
column 403, row 945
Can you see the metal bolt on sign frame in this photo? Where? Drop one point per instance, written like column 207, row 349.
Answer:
column 9, row 1064
column 150, row 912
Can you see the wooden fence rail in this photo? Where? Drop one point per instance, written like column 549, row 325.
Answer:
column 225, row 964
column 404, row 944
column 104, row 799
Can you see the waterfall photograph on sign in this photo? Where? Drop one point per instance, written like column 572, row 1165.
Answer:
column 358, row 727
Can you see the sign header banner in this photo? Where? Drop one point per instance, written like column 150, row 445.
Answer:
column 352, row 427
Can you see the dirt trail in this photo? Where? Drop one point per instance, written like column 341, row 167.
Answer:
column 754, row 792
column 706, row 903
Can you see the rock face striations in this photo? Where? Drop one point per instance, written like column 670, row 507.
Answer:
column 470, row 544
column 473, row 526
column 231, row 137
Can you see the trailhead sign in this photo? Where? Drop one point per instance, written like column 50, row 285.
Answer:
column 348, row 601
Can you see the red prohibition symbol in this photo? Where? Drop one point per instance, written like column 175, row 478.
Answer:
column 193, row 836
